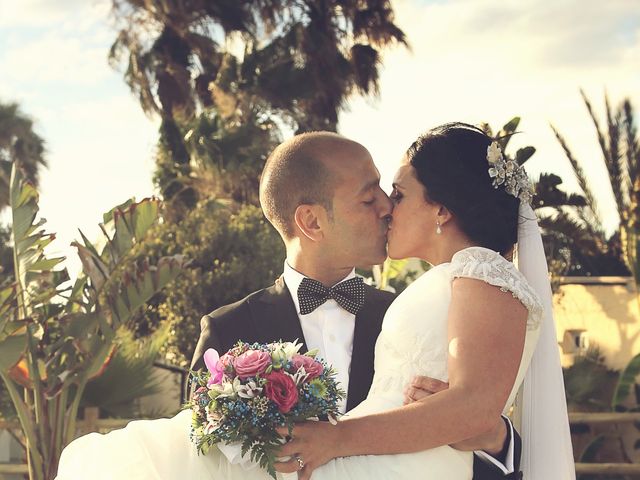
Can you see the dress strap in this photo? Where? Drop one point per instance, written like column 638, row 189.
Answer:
column 484, row 264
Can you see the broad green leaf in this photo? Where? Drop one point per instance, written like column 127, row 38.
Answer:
column 136, row 288
column 123, row 237
column 92, row 266
column 11, row 349
column 524, row 154
column 45, row 264
column 511, row 125
column 625, row 383
column 100, row 353
column 88, row 245
column 108, row 217
column 589, row 453
column 145, row 215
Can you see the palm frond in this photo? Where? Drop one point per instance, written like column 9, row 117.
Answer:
column 593, row 216
column 632, row 150
column 129, row 375
column 619, row 182
column 547, row 194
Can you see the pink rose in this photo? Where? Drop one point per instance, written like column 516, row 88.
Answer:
column 281, row 389
column 311, row 366
column 251, row 363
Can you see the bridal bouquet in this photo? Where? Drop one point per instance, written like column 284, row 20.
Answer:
column 255, row 388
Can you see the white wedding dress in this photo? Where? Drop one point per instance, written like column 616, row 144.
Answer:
column 413, row 342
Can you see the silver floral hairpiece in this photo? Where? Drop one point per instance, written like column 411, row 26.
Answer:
column 508, row 172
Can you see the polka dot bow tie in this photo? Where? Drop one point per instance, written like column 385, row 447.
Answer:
column 348, row 294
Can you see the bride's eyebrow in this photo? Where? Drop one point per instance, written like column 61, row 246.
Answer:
column 398, row 186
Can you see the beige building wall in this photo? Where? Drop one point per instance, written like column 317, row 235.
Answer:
column 598, row 310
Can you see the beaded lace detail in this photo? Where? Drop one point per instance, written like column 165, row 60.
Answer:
column 491, row 267
column 414, row 337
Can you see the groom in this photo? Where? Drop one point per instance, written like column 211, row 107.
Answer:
column 321, row 192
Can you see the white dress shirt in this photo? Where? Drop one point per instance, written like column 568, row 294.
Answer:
column 508, row 466
column 329, row 328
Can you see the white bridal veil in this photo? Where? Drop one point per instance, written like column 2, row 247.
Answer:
column 541, row 406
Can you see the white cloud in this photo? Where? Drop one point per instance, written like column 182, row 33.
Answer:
column 46, row 13
column 480, row 60
column 55, row 58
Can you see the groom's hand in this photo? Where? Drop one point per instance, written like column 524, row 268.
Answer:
column 422, row 387
column 491, row 442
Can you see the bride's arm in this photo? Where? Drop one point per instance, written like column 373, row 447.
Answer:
column 486, row 339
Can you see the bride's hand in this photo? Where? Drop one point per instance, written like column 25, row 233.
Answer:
column 312, row 444
column 422, row 387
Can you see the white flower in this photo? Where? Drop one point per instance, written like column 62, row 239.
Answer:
column 494, row 154
column 508, row 172
column 300, row 376
column 291, row 348
column 249, row 390
column 224, row 389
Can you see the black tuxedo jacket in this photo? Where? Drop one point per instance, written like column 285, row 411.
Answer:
column 270, row 315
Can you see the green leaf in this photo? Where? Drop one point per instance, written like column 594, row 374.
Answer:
column 92, row 266
column 524, row 154
column 625, row 383
column 145, row 215
column 589, row 453
column 45, row 264
column 511, row 125
column 138, row 286
column 108, row 217
column 11, row 349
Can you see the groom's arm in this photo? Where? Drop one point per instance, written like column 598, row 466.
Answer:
column 495, row 448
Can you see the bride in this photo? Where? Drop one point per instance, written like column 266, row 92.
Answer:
column 473, row 320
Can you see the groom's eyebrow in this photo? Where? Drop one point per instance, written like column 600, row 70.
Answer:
column 369, row 186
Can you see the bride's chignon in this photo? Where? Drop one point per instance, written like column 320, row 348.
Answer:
column 451, row 163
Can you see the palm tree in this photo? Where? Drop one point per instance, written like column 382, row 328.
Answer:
column 302, row 56
column 290, row 61
column 19, row 145
column 620, row 149
column 572, row 247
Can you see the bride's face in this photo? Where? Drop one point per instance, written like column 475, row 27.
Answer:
column 413, row 223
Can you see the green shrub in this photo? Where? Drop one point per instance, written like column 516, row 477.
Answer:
column 234, row 251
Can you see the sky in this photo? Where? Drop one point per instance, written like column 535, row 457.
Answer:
column 470, row 60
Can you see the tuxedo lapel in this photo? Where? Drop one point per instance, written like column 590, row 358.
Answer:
column 365, row 334
column 274, row 316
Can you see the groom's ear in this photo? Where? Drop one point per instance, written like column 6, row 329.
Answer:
column 309, row 220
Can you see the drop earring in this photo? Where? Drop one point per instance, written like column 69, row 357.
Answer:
column 438, row 229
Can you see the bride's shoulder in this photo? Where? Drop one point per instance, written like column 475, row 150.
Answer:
column 490, row 267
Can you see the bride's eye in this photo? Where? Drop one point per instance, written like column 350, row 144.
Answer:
column 396, row 196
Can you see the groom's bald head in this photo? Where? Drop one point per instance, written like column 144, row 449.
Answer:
column 300, row 171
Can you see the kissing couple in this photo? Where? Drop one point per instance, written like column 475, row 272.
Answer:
column 429, row 373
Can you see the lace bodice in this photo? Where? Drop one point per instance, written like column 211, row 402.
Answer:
column 414, row 340
column 491, row 267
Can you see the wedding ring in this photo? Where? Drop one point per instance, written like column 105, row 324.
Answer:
column 300, row 462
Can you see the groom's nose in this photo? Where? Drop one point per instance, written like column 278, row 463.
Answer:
column 387, row 207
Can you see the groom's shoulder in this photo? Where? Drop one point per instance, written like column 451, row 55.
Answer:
column 376, row 295
column 238, row 309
